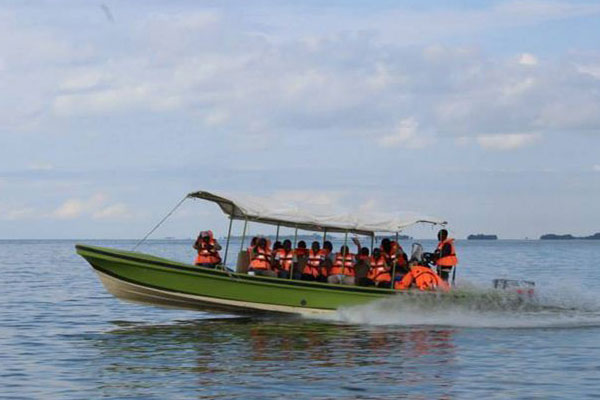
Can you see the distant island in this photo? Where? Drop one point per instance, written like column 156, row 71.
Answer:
column 553, row 236
column 481, row 236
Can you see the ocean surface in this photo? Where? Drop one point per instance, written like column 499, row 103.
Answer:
column 62, row 336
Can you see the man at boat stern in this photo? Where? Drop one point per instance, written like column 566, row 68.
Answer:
column 445, row 255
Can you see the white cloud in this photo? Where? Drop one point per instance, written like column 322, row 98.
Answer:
column 405, row 135
column 509, row 141
column 40, row 166
column 528, row 59
column 17, row 213
column 596, row 167
column 115, row 211
column 95, row 206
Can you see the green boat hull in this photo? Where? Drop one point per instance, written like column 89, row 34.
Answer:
column 148, row 279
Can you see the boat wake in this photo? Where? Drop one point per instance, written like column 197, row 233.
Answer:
column 470, row 306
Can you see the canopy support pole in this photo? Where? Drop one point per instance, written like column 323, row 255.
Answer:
column 372, row 242
column 324, row 235
column 393, row 277
column 227, row 243
column 344, row 255
column 244, row 234
column 277, row 233
column 292, row 266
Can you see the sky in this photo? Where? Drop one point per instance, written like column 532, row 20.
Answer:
column 485, row 114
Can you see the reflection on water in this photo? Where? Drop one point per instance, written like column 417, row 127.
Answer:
column 273, row 357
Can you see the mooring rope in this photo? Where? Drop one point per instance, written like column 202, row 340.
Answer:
column 159, row 224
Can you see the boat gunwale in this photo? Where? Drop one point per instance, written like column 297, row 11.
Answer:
column 115, row 253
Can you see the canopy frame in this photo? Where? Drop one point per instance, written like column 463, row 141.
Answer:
column 234, row 210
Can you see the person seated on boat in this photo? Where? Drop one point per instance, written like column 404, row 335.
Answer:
column 276, row 246
column 342, row 271
column 260, row 263
column 285, row 260
column 380, row 273
column 362, row 268
column 422, row 278
column 253, row 243
column 301, row 251
column 328, row 260
column 312, row 268
column 445, row 255
column 208, row 250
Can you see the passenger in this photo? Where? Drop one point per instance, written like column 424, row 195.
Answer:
column 301, row 250
column 276, row 246
column 261, row 259
column 445, row 255
column 422, row 278
column 380, row 273
column 253, row 243
column 312, row 268
column 208, row 250
column 362, row 268
column 285, row 259
column 389, row 250
column 328, row 259
column 342, row 271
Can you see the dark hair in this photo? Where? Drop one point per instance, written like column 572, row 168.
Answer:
column 254, row 241
column 327, row 245
column 277, row 245
column 315, row 243
column 442, row 234
column 287, row 241
column 344, row 250
column 262, row 242
column 376, row 252
column 386, row 245
column 302, row 244
column 364, row 251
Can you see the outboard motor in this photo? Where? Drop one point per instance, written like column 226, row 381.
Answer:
column 521, row 287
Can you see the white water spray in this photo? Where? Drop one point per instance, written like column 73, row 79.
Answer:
column 481, row 308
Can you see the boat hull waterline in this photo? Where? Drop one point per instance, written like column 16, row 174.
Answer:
column 153, row 280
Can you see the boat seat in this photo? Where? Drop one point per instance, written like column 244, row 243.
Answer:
column 243, row 262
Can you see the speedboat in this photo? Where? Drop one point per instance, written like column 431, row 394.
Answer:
column 139, row 277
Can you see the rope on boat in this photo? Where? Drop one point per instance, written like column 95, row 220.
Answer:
column 159, row 224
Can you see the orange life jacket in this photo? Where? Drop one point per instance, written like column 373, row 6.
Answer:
column 343, row 265
column 207, row 254
column 422, row 278
column 313, row 263
column 392, row 255
column 286, row 259
column 449, row 260
column 301, row 252
column 324, row 271
column 261, row 258
column 379, row 271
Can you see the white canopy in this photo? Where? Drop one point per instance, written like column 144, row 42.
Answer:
column 268, row 211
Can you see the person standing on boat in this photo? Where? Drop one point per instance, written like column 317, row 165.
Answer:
column 208, row 250
column 445, row 255
column 260, row 263
column 342, row 271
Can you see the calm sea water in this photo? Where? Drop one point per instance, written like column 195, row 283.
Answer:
column 63, row 336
